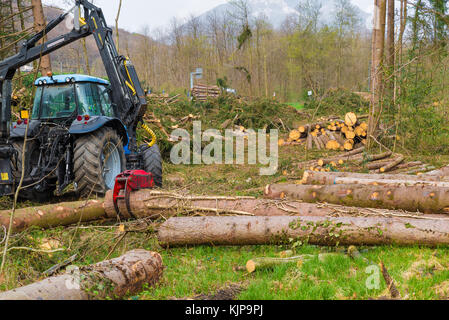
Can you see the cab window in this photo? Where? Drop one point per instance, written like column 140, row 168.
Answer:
column 105, row 101
column 89, row 100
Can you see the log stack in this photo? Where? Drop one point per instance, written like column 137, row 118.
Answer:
column 203, row 92
column 337, row 135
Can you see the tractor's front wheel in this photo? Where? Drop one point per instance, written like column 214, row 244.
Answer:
column 99, row 159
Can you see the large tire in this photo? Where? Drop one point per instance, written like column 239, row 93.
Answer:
column 31, row 160
column 96, row 162
column 152, row 160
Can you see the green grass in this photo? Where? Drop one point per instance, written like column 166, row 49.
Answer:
column 296, row 105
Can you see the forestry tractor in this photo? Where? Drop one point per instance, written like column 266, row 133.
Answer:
column 82, row 130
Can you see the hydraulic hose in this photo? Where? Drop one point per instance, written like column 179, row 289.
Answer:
column 151, row 133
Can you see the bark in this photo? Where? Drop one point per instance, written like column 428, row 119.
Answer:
column 331, row 178
column 313, row 230
column 389, row 167
column 112, row 279
column 39, row 25
column 427, row 199
column 50, row 216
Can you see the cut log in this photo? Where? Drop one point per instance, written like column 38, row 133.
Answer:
column 427, row 199
column 392, row 165
column 111, row 279
column 240, row 231
column 351, row 119
column 295, row 135
column 318, row 178
column 375, row 182
column 317, row 142
column 50, row 216
column 156, row 204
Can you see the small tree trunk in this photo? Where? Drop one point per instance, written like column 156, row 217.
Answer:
column 240, row 231
column 112, row 279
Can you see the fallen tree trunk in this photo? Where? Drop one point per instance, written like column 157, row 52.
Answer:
column 330, row 178
column 427, row 199
column 50, row 216
column 156, row 204
column 315, row 230
column 112, row 279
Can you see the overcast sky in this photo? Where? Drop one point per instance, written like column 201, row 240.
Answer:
column 137, row 14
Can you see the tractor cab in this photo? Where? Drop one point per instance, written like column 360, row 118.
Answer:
column 66, row 96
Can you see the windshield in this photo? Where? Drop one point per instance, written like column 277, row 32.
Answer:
column 53, row 102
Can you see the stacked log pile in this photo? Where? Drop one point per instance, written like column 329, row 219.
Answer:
column 337, row 135
column 203, row 92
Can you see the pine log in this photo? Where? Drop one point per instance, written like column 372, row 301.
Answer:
column 315, row 230
column 156, row 204
column 392, row 165
column 374, row 182
column 55, row 215
column 426, row 199
column 319, row 178
column 112, row 279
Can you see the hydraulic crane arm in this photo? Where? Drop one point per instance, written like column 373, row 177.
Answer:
column 127, row 94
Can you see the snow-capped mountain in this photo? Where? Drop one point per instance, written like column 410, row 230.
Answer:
column 278, row 10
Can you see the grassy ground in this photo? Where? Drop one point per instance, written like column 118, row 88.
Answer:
column 420, row 273
column 297, row 105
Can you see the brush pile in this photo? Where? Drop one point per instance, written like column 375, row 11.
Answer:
column 333, row 134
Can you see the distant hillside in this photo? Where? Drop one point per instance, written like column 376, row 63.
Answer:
column 278, row 10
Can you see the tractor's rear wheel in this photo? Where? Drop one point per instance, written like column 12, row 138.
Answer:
column 152, row 160
column 31, row 161
column 99, row 159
